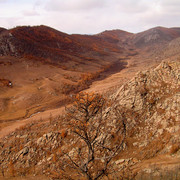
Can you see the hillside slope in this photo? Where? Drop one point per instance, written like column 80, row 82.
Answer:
column 40, row 67
column 48, row 45
column 149, row 105
column 157, row 35
column 44, row 66
column 151, row 101
column 2, row 29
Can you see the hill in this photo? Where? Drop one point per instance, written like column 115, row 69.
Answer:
column 157, row 35
column 149, row 106
column 41, row 68
column 51, row 46
column 44, row 66
column 2, row 29
column 115, row 35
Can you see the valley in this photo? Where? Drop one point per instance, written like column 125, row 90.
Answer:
column 42, row 70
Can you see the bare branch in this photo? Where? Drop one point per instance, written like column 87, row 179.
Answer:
column 95, row 146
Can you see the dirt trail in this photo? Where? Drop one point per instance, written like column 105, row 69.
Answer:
column 19, row 123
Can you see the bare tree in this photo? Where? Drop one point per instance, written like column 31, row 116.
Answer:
column 94, row 139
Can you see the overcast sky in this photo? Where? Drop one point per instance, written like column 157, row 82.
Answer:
column 91, row 16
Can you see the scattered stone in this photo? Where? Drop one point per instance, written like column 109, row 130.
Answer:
column 23, row 152
column 120, row 161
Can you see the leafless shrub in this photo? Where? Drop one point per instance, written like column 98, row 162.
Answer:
column 93, row 140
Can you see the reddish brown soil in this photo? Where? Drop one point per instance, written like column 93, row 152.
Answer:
column 108, row 82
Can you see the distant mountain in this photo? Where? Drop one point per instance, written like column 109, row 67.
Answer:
column 114, row 35
column 49, row 45
column 171, row 50
column 51, row 65
column 55, row 47
column 157, row 35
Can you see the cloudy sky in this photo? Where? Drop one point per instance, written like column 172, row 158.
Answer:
column 91, row 16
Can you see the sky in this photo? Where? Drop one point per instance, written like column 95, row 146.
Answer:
column 90, row 16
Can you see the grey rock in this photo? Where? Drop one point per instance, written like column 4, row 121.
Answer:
column 23, row 152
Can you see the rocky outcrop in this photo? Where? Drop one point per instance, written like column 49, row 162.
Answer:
column 153, row 97
column 7, row 44
column 149, row 105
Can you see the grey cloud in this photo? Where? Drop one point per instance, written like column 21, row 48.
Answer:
column 130, row 6
column 2, row 1
column 170, row 2
column 163, row 19
column 9, row 22
column 56, row 5
column 93, row 16
column 170, row 6
column 30, row 13
column 39, row 2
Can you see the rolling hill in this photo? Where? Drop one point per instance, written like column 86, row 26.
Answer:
column 50, row 65
column 41, row 69
column 55, row 47
column 149, row 106
column 44, row 65
column 157, row 35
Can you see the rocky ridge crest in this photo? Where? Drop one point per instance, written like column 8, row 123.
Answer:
column 154, row 95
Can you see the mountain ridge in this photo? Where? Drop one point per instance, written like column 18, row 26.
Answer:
column 52, row 45
column 32, row 41
column 156, row 35
column 77, row 61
